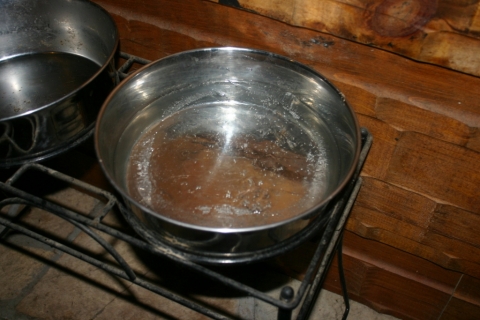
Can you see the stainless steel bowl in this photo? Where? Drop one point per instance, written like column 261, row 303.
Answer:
column 253, row 128
column 56, row 69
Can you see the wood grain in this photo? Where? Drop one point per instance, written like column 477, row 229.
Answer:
column 444, row 234
column 441, row 170
column 440, row 32
column 465, row 301
column 362, row 101
column 154, row 31
column 457, row 223
column 395, row 202
column 405, row 117
column 382, row 150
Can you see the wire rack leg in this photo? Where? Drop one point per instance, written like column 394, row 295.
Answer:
column 286, row 295
column 343, row 281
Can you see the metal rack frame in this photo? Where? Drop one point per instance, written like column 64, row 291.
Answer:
column 329, row 244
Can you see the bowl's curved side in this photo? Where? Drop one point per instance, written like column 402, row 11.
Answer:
column 291, row 89
column 57, row 68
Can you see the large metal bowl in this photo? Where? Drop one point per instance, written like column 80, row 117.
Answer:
column 56, row 69
column 271, row 116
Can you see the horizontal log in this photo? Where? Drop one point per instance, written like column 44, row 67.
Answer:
column 154, row 30
column 362, row 101
column 384, row 278
column 465, row 302
column 413, row 223
column 456, row 223
column 457, row 254
column 385, row 139
column 440, row 170
column 395, row 202
column 449, row 253
column 405, row 117
column 474, row 141
column 440, row 32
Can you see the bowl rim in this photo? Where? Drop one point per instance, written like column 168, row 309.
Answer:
column 317, row 207
column 108, row 59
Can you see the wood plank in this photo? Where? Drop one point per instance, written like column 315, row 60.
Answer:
column 458, row 255
column 459, row 224
column 474, row 141
column 396, row 291
column 452, row 50
column 383, row 147
column 458, row 14
column 371, row 230
column 475, row 25
column 362, row 101
column 139, row 35
column 439, row 32
column 405, row 117
column 465, row 303
column 398, row 203
column 375, row 225
column 437, row 169
column 449, row 253
column 413, row 223
column 192, row 24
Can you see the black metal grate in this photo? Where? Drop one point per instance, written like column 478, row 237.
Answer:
column 330, row 240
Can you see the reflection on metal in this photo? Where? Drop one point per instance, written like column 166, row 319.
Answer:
column 23, row 136
column 48, row 132
column 54, row 75
column 17, row 137
column 67, row 120
column 53, row 130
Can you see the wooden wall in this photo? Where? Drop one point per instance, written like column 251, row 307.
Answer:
column 412, row 245
column 442, row 32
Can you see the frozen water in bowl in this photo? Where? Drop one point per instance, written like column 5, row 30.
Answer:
column 230, row 164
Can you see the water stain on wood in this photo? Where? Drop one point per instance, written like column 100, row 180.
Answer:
column 400, row 18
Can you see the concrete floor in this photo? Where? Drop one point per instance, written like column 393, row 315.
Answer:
column 39, row 282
